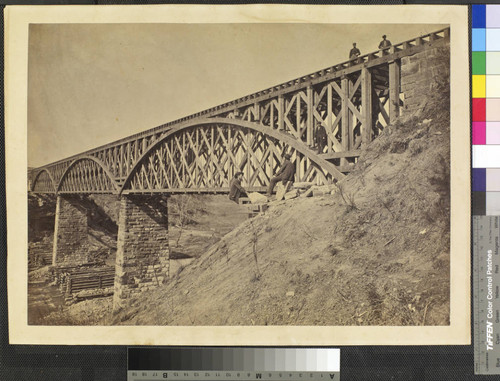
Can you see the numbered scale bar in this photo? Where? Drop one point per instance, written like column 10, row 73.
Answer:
column 231, row 376
column 168, row 363
column 486, row 294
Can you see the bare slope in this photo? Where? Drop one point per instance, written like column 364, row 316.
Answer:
column 374, row 253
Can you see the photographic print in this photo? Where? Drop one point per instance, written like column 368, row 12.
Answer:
column 289, row 178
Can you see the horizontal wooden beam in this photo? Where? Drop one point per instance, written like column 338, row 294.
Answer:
column 220, row 190
column 339, row 155
column 85, row 192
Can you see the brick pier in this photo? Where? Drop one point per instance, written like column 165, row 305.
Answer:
column 142, row 258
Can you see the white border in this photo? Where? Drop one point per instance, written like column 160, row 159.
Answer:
column 17, row 19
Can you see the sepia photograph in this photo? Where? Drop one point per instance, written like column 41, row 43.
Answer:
column 248, row 175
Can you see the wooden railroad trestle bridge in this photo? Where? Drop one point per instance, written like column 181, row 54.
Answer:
column 323, row 120
column 352, row 101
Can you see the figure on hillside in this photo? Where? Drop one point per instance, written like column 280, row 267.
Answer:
column 354, row 52
column 235, row 189
column 285, row 174
column 384, row 43
column 321, row 138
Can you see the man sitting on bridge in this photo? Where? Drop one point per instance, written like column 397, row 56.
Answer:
column 235, row 188
column 286, row 173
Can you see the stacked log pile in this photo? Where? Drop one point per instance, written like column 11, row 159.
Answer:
column 79, row 281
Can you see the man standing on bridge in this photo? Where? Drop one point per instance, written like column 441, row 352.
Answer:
column 354, row 52
column 384, row 43
column 321, row 138
column 235, row 188
column 285, row 174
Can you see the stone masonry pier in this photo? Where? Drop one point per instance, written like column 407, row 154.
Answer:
column 422, row 73
column 142, row 258
column 70, row 230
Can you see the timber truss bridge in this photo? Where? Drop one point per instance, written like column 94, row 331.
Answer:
column 323, row 120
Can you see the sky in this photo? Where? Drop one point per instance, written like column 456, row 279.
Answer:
column 91, row 84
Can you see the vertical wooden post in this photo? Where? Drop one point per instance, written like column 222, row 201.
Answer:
column 297, row 164
column 271, row 115
column 394, row 83
column 247, row 140
column 122, row 149
column 270, row 172
column 329, row 120
column 212, row 155
column 346, row 125
column 197, row 158
column 256, row 112
column 182, row 153
column 230, row 169
column 297, row 116
column 310, row 116
column 351, row 114
column 366, row 105
column 128, row 159
column 281, row 111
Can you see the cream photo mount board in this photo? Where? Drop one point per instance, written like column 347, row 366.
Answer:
column 18, row 20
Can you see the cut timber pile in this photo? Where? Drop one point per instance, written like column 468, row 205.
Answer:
column 75, row 278
column 98, row 278
column 58, row 272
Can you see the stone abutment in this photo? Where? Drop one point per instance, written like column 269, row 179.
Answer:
column 424, row 73
column 71, row 237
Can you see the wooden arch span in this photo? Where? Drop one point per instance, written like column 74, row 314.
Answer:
column 87, row 174
column 43, row 182
column 204, row 154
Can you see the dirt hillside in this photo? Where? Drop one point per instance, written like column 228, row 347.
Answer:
column 376, row 252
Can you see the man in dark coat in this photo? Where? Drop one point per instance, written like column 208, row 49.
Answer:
column 385, row 43
column 235, row 188
column 321, row 138
column 354, row 52
column 285, row 174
